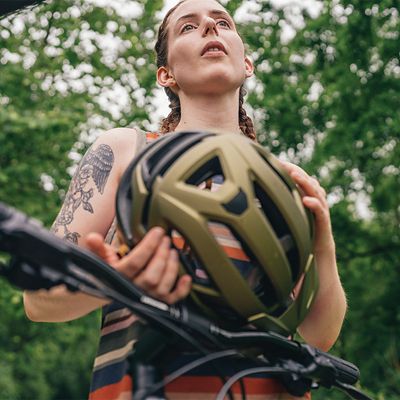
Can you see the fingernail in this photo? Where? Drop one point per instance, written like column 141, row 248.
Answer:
column 159, row 232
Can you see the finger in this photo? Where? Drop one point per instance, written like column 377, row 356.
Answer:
column 320, row 191
column 181, row 291
column 92, row 240
column 320, row 211
column 292, row 168
column 310, row 186
column 142, row 253
column 95, row 243
column 324, row 242
column 151, row 276
column 170, row 274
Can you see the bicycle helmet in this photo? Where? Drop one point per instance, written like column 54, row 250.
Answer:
column 256, row 202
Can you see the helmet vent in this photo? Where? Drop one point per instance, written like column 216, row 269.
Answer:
column 173, row 148
column 279, row 225
column 210, row 171
column 283, row 179
column 193, row 266
column 244, row 260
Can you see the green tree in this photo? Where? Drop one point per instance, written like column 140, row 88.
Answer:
column 61, row 66
column 329, row 100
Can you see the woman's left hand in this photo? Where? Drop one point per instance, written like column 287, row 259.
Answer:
column 322, row 325
column 314, row 198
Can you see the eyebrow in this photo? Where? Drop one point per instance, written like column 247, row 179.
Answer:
column 212, row 12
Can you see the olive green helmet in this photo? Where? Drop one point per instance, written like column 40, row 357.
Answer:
column 256, row 202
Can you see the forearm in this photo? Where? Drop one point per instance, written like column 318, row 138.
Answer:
column 322, row 325
column 59, row 305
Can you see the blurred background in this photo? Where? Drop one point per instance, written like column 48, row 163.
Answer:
column 325, row 96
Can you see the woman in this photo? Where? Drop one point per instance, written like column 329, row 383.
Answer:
column 202, row 66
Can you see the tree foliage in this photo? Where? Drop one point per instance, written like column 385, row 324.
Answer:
column 326, row 96
column 329, row 99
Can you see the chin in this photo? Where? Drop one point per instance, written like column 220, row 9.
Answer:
column 219, row 80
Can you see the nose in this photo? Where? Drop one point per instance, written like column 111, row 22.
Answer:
column 210, row 26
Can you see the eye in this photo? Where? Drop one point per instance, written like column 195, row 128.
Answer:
column 187, row 28
column 224, row 23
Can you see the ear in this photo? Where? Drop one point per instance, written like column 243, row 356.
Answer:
column 165, row 78
column 249, row 67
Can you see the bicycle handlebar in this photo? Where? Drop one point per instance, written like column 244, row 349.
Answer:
column 42, row 260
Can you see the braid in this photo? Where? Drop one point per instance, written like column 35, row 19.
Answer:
column 170, row 123
column 245, row 122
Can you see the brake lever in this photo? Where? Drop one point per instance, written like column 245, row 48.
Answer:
column 38, row 252
column 305, row 365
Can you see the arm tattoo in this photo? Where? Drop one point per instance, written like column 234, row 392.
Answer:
column 94, row 167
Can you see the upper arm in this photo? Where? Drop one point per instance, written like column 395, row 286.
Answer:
column 89, row 205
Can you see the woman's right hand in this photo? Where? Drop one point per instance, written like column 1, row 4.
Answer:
column 152, row 265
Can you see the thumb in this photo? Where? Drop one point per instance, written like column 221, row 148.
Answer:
column 95, row 243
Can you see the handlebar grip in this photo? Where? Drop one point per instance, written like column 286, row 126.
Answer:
column 345, row 370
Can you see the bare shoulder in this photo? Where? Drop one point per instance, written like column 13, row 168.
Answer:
column 119, row 138
column 122, row 142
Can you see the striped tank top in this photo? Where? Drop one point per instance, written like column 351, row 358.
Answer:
column 121, row 329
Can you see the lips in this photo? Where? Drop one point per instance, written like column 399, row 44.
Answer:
column 213, row 46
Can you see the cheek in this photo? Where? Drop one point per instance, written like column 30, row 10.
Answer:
column 180, row 52
column 239, row 50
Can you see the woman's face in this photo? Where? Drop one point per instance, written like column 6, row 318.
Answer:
column 205, row 52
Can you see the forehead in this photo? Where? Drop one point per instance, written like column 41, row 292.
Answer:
column 195, row 7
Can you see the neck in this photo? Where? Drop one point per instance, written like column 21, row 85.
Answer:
column 210, row 113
